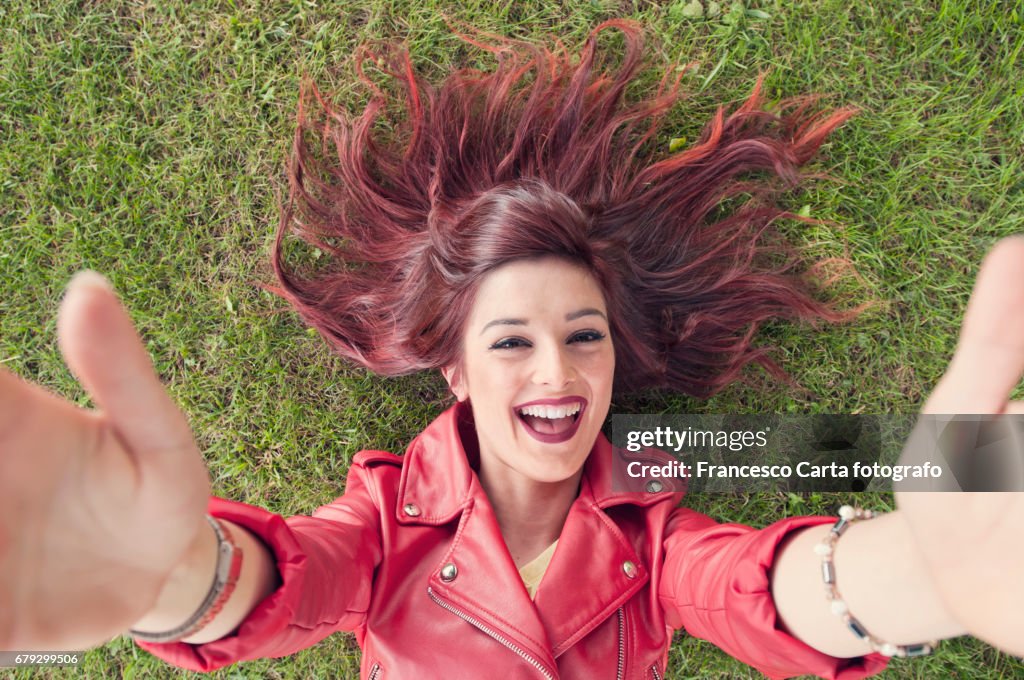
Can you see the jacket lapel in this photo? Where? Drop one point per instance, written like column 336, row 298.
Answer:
column 485, row 588
column 593, row 572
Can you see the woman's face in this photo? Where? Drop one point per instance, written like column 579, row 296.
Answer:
column 537, row 367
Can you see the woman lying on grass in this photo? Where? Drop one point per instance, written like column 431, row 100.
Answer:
column 533, row 252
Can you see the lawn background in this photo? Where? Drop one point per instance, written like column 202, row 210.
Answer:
column 146, row 140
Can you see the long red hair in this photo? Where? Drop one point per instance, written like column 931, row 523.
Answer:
column 491, row 167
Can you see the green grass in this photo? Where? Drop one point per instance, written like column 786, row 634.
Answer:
column 147, row 141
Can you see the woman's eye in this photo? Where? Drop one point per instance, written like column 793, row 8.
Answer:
column 587, row 336
column 509, row 343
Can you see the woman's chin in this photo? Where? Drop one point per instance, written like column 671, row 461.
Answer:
column 548, row 471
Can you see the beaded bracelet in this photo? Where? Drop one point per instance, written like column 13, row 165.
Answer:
column 848, row 515
column 229, row 566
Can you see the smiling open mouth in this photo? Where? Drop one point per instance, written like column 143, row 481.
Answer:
column 546, row 425
column 551, row 424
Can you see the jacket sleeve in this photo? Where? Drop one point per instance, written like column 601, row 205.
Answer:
column 325, row 563
column 715, row 584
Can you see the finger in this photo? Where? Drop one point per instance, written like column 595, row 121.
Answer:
column 103, row 350
column 989, row 358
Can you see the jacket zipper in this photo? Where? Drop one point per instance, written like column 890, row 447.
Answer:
column 493, row 633
column 654, row 672
column 374, row 672
column 622, row 645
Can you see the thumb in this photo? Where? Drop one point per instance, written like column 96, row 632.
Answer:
column 989, row 358
column 104, row 351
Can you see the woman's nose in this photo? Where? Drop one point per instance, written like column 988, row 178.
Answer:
column 553, row 367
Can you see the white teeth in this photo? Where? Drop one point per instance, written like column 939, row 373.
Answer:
column 551, row 412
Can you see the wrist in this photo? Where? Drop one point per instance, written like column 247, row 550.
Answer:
column 887, row 577
column 185, row 587
column 257, row 579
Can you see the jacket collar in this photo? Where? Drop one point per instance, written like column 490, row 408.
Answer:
column 439, row 465
column 593, row 555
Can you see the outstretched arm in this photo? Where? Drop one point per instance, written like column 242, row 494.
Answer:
column 718, row 585
column 102, row 524
column 319, row 575
column 96, row 506
column 943, row 564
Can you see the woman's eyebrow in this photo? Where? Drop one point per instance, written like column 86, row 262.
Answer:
column 589, row 311
column 503, row 322
column 571, row 316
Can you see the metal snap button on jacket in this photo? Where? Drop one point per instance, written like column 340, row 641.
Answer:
column 449, row 572
column 654, row 486
column 629, row 568
column 411, row 509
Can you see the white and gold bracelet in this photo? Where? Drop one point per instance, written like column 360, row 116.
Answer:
column 847, row 516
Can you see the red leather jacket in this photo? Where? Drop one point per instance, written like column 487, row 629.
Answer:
column 411, row 559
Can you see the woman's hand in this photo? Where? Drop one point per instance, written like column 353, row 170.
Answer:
column 972, row 541
column 96, row 507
